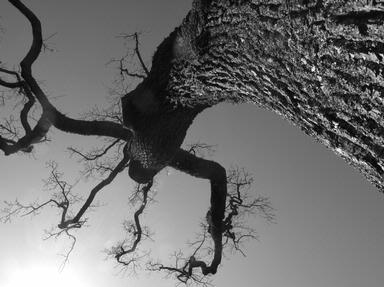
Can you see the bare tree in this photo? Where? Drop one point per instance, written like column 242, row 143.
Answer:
column 317, row 63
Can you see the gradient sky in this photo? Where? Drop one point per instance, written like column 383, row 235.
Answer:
column 330, row 220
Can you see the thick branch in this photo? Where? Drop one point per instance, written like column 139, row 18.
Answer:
column 202, row 168
column 11, row 85
column 25, row 143
column 59, row 120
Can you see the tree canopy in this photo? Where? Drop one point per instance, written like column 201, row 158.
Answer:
column 319, row 64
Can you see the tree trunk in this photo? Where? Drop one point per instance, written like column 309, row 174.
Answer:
column 319, row 64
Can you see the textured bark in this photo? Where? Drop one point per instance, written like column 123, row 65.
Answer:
column 319, row 64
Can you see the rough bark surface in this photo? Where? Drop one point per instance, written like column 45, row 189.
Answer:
column 319, row 64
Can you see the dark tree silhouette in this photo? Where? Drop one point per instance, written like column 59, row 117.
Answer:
column 317, row 63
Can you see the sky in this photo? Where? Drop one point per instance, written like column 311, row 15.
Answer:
column 330, row 220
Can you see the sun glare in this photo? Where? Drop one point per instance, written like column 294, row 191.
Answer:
column 43, row 276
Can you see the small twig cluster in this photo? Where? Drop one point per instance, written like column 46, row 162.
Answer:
column 126, row 252
column 187, row 269
column 63, row 198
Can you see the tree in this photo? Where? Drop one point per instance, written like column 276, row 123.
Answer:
column 317, row 63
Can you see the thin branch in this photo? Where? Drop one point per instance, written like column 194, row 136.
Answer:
column 68, row 253
column 120, row 166
column 200, row 149
column 137, row 50
column 46, row 46
column 16, row 208
column 128, row 73
column 10, row 85
column 73, row 239
column 120, row 251
column 91, row 157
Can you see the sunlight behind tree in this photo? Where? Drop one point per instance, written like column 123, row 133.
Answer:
column 44, row 276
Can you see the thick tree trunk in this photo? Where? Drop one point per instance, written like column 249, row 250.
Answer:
column 319, row 64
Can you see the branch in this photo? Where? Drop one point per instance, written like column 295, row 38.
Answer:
column 198, row 167
column 125, row 71
column 135, row 229
column 180, row 269
column 69, row 251
column 234, row 231
column 67, row 231
column 16, row 208
column 9, row 129
column 93, row 156
column 200, row 149
column 11, row 85
column 120, row 167
column 25, row 143
column 128, row 73
column 51, row 116
column 24, row 89
column 137, row 51
column 62, row 199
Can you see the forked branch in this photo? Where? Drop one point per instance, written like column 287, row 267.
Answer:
column 119, row 167
column 63, row 199
column 202, row 168
column 50, row 116
column 233, row 229
column 126, row 253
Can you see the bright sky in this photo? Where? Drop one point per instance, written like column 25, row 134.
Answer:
column 330, row 221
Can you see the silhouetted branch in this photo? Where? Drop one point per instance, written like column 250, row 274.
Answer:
column 99, row 160
column 124, row 71
column 136, row 227
column 57, row 234
column 126, row 252
column 50, row 116
column 111, row 113
column 200, row 149
column 180, row 270
column 16, row 208
column 10, row 85
column 62, row 198
column 240, row 204
column 45, row 45
column 122, row 68
column 114, row 172
column 24, row 90
column 202, row 168
column 135, row 36
column 8, row 128
column 93, row 156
